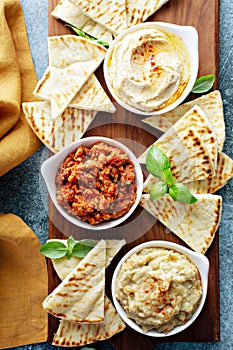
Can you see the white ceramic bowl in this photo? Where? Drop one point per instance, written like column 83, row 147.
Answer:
column 201, row 262
column 50, row 167
column 190, row 38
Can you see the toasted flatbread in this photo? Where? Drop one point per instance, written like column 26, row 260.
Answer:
column 223, row 173
column 109, row 13
column 196, row 224
column 73, row 334
column 90, row 97
column 191, row 147
column 56, row 135
column 80, row 296
column 139, row 10
column 64, row 266
column 69, row 13
column 212, row 106
column 72, row 60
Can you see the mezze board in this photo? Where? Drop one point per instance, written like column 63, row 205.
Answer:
column 128, row 128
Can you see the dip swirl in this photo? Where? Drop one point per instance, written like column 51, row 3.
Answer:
column 159, row 288
column 149, row 69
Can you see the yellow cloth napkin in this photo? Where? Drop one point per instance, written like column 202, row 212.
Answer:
column 23, row 285
column 17, row 81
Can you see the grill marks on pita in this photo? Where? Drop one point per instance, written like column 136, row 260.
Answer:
column 195, row 224
column 80, row 297
column 72, row 60
column 212, row 106
column 190, row 144
column 73, row 334
column 57, row 134
column 69, row 13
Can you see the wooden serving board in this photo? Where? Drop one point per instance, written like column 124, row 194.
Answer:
column 128, row 128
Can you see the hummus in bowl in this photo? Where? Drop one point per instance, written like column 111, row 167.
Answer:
column 159, row 287
column 151, row 68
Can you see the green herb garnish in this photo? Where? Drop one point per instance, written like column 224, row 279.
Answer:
column 203, row 84
column 158, row 165
column 79, row 32
column 56, row 249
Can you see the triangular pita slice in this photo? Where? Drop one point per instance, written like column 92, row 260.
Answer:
column 191, row 147
column 195, row 224
column 212, row 106
column 69, row 13
column 73, row 334
column 139, row 10
column 90, row 97
column 56, row 135
column 109, row 13
column 80, row 297
column 72, row 60
column 64, row 266
column 223, row 173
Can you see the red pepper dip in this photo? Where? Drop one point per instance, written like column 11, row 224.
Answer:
column 96, row 184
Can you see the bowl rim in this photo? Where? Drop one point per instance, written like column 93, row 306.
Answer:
column 53, row 163
column 185, row 32
column 200, row 261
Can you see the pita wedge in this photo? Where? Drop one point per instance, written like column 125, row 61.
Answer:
column 80, row 296
column 56, row 135
column 64, row 266
column 139, row 10
column 191, row 147
column 109, row 13
column 212, row 106
column 73, row 334
column 223, row 173
column 72, row 60
column 90, row 97
column 196, row 224
column 69, row 13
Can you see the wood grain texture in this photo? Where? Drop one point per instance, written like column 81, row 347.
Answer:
column 128, row 128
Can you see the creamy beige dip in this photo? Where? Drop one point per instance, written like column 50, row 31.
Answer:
column 149, row 69
column 159, row 288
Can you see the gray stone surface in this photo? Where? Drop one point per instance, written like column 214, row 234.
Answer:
column 22, row 191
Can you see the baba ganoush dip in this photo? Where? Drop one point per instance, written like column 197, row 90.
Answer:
column 149, row 68
column 159, row 288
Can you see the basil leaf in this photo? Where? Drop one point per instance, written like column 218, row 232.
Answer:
column 167, row 176
column 81, row 250
column 203, row 84
column 79, row 32
column 181, row 193
column 88, row 242
column 156, row 161
column 158, row 190
column 53, row 249
column 70, row 245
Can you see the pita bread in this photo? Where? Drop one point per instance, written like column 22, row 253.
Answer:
column 195, row 224
column 73, row 334
column 190, row 150
column 64, row 266
column 223, row 173
column 80, row 297
column 72, row 60
column 90, row 97
column 69, row 13
column 56, row 135
column 109, row 13
column 212, row 106
column 139, row 10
